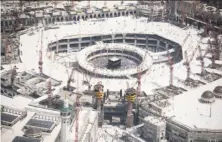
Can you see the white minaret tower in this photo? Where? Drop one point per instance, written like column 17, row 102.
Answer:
column 65, row 115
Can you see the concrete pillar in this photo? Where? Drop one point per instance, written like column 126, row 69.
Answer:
column 80, row 39
column 135, row 41
column 57, row 46
column 26, row 22
column 124, row 38
column 167, row 46
column 113, row 38
column 147, row 39
column 157, row 45
column 68, row 46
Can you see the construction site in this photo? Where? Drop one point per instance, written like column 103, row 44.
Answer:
column 104, row 71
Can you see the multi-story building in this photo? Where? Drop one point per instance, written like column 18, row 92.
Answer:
column 154, row 129
column 197, row 13
column 155, row 10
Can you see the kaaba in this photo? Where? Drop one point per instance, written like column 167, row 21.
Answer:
column 114, row 63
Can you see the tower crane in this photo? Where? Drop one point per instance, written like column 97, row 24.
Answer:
column 40, row 55
column 77, row 111
column 187, row 62
column 212, row 51
column 49, row 87
column 170, row 63
column 201, row 58
column 70, row 79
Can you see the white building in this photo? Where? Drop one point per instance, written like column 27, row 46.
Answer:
column 154, row 129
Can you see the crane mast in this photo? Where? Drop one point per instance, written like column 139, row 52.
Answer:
column 77, row 117
column 201, row 61
column 187, row 62
column 40, row 54
column 170, row 62
column 212, row 51
column 70, row 79
column 77, row 108
column 50, row 85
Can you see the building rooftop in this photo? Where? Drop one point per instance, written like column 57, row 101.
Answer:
column 187, row 110
column 154, row 120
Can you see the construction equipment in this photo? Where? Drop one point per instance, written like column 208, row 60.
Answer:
column 88, row 79
column 201, row 58
column 187, row 63
column 40, row 54
column 212, row 51
column 139, row 82
column 49, row 87
column 77, row 117
column 170, row 63
column 13, row 74
column 70, row 79
column 77, row 111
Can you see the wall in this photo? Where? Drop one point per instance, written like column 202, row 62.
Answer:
column 153, row 43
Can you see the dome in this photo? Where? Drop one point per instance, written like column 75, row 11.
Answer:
column 212, row 40
column 207, row 95
column 33, row 132
column 218, row 89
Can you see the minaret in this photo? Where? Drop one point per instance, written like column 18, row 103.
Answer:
column 65, row 116
column 98, row 89
column 130, row 96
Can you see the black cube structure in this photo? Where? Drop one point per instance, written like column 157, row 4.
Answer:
column 114, row 63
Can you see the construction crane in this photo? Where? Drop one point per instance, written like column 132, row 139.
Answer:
column 201, row 58
column 77, row 117
column 40, row 55
column 77, row 111
column 212, row 51
column 49, row 87
column 170, row 63
column 70, row 79
column 88, row 79
column 217, row 45
column 139, row 82
column 187, row 63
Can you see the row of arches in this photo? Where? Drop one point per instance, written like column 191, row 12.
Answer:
column 89, row 16
column 32, row 21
